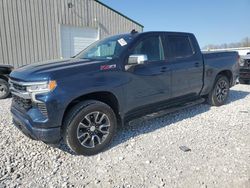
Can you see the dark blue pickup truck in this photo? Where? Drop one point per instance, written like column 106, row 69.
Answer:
column 83, row 99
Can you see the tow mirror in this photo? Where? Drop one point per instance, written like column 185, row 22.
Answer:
column 137, row 59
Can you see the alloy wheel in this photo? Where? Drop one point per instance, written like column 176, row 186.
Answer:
column 221, row 91
column 3, row 90
column 93, row 129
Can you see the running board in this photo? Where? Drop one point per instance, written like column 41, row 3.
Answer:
column 170, row 110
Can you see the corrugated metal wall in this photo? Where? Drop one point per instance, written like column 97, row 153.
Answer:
column 30, row 29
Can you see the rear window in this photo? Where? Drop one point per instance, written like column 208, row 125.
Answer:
column 179, row 46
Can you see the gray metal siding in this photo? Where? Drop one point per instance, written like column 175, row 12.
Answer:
column 30, row 29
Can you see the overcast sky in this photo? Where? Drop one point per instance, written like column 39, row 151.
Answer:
column 212, row 21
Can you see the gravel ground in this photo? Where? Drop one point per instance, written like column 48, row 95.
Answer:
column 144, row 154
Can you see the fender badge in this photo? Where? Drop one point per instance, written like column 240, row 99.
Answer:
column 108, row 67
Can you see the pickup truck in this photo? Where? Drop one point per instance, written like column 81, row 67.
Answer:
column 85, row 98
column 244, row 76
column 5, row 70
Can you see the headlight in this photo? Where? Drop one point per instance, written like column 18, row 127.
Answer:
column 42, row 87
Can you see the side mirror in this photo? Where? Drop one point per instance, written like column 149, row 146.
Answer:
column 137, row 59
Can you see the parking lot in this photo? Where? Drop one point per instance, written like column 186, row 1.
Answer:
column 144, row 153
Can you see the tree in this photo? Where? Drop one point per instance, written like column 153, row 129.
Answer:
column 245, row 42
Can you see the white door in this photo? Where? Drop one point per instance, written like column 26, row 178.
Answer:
column 75, row 39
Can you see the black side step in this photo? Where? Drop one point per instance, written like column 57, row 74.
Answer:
column 171, row 109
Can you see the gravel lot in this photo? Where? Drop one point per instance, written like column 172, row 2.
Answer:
column 144, row 154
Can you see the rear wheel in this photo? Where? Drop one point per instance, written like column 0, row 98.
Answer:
column 89, row 127
column 4, row 89
column 219, row 94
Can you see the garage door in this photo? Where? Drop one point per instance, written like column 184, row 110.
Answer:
column 75, row 39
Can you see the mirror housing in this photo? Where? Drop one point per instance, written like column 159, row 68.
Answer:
column 137, row 59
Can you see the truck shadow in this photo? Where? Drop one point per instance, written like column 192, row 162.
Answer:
column 235, row 95
column 141, row 126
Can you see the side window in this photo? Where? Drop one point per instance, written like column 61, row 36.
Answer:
column 152, row 47
column 179, row 46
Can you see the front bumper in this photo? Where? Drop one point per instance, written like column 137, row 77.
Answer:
column 48, row 135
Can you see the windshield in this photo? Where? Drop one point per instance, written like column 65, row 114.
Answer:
column 108, row 48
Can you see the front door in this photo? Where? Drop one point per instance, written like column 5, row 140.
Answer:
column 150, row 82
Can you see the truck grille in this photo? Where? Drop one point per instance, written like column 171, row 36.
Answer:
column 20, row 102
column 22, row 99
column 18, row 87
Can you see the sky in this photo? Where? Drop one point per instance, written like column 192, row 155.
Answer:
column 212, row 21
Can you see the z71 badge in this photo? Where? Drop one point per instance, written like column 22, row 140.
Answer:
column 108, row 67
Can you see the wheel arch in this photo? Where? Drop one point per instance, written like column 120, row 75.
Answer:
column 228, row 74
column 4, row 77
column 103, row 96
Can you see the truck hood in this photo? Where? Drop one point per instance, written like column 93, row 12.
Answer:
column 53, row 69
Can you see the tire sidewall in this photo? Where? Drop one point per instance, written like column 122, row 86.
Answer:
column 213, row 97
column 3, row 82
column 71, row 133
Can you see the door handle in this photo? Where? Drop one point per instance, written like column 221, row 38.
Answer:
column 164, row 69
column 197, row 64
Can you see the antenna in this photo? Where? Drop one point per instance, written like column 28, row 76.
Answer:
column 134, row 31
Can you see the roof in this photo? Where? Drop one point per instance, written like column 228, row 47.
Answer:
column 119, row 13
column 155, row 32
column 169, row 32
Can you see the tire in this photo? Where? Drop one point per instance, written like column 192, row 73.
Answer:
column 4, row 89
column 219, row 94
column 89, row 127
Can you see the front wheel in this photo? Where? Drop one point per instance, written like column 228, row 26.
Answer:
column 89, row 127
column 219, row 94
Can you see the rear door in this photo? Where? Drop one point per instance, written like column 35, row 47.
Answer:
column 186, row 65
column 149, row 82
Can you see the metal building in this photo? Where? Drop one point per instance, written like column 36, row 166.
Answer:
column 38, row 30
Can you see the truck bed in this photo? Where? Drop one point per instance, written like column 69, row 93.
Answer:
column 215, row 62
